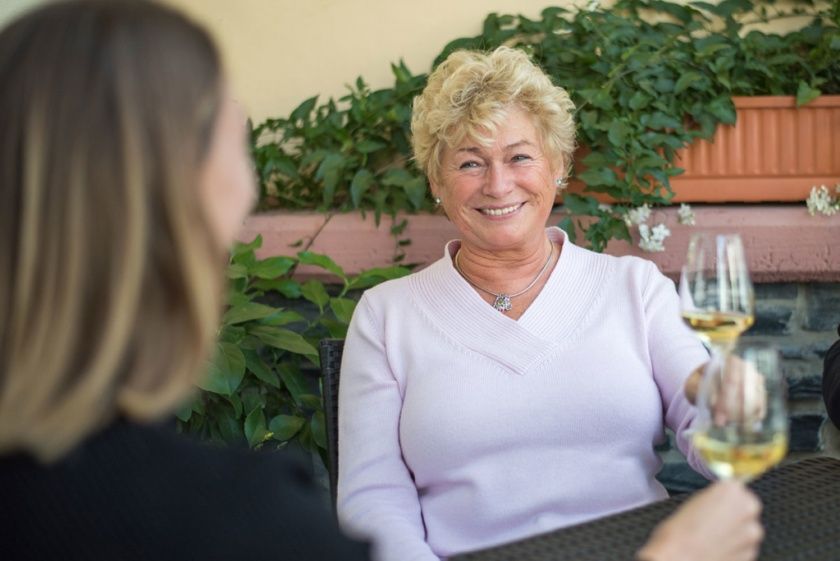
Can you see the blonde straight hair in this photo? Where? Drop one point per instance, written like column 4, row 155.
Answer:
column 110, row 279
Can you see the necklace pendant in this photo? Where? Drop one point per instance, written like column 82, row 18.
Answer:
column 502, row 303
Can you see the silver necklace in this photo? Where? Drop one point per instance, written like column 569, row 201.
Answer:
column 502, row 300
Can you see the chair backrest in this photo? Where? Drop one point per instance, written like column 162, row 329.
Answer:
column 330, row 351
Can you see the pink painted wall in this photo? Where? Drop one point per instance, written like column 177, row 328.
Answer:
column 783, row 242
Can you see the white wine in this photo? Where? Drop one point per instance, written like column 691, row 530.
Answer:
column 734, row 460
column 717, row 327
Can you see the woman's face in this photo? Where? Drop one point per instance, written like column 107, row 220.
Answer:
column 227, row 178
column 499, row 197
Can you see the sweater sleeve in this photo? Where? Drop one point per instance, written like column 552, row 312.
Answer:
column 377, row 498
column 675, row 353
column 831, row 382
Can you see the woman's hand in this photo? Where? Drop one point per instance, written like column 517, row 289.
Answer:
column 720, row 523
column 745, row 391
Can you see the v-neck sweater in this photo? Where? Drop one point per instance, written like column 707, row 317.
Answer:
column 461, row 428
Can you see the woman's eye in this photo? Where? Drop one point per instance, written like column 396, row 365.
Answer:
column 521, row 157
column 469, row 164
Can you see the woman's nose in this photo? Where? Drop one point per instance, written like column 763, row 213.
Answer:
column 499, row 181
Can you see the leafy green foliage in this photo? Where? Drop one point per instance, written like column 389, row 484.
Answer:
column 262, row 384
column 647, row 76
column 350, row 154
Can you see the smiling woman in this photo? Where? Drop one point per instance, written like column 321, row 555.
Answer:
column 469, row 414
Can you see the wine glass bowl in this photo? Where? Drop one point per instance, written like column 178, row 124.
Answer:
column 716, row 293
column 741, row 429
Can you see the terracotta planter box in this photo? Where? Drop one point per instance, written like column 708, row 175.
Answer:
column 775, row 152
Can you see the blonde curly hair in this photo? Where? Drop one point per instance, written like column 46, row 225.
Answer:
column 471, row 92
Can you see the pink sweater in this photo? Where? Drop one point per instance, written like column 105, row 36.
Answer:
column 460, row 428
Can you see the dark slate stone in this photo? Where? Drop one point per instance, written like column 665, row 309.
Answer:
column 805, row 433
column 678, row 477
column 809, row 387
column 822, row 307
column 771, row 320
column 664, row 447
column 776, row 291
column 793, row 350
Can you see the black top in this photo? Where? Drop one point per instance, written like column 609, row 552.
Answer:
column 831, row 381
column 147, row 493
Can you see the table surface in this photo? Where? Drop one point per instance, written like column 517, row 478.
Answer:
column 801, row 519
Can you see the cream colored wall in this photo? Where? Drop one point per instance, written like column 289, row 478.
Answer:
column 282, row 51
column 279, row 52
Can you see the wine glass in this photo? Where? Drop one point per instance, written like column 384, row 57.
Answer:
column 741, row 428
column 716, row 294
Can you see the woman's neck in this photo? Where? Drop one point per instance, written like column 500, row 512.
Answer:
column 504, row 272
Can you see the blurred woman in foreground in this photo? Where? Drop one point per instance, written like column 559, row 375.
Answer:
column 123, row 178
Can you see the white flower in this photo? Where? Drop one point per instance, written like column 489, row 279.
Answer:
column 685, row 215
column 652, row 240
column 820, row 201
column 605, row 207
column 638, row 215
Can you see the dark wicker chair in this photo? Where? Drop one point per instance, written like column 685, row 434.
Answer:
column 330, row 351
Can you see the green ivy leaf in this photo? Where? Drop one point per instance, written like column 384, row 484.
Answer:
column 302, row 111
column 315, row 292
column 323, row 261
column 686, row 81
column 343, row 308
column 618, row 133
column 284, row 339
column 639, row 100
column 336, row 329
column 237, row 271
column 372, row 277
column 329, row 172
column 293, row 380
column 723, row 109
column 185, row 411
column 805, row 94
column 660, row 121
column 256, row 366
column 284, row 427
column 284, row 317
column 226, row 370
column 577, row 204
column 240, row 248
column 368, row 146
column 600, row 176
column 255, row 430
column 415, row 189
column 568, row 226
column 362, row 182
column 287, row 287
column 272, row 267
column 247, row 312
column 311, row 401
column 319, row 429
column 229, row 427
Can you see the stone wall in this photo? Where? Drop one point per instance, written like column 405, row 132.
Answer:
column 800, row 319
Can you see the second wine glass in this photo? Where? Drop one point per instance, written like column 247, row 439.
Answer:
column 741, row 428
column 716, row 294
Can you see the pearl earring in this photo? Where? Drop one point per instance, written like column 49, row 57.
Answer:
column 437, row 201
column 561, row 183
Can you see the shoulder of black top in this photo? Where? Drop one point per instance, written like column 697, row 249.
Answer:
column 838, row 329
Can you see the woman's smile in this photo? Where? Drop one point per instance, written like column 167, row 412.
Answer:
column 501, row 212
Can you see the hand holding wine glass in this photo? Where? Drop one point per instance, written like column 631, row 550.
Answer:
column 742, row 423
